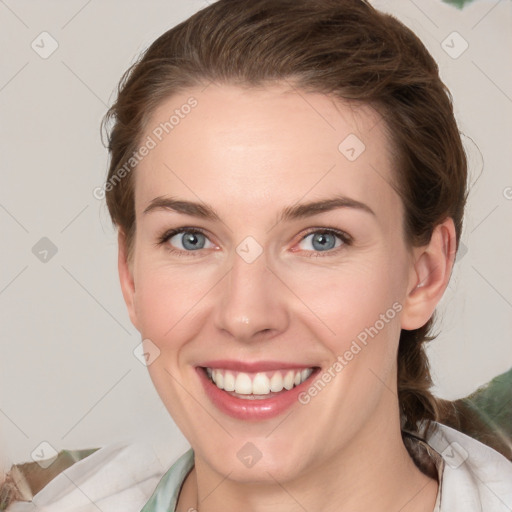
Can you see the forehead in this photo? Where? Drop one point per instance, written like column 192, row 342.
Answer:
column 250, row 149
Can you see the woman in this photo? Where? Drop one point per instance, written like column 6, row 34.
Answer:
column 289, row 182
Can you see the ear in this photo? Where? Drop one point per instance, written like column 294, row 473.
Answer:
column 429, row 276
column 126, row 277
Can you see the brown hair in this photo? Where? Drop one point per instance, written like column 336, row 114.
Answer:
column 343, row 48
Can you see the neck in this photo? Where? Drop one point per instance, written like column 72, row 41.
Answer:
column 374, row 472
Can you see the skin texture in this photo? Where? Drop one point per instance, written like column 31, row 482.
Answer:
column 249, row 153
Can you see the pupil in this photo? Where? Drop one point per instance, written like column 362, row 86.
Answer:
column 191, row 239
column 323, row 239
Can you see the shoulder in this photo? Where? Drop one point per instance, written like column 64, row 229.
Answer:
column 118, row 477
column 475, row 477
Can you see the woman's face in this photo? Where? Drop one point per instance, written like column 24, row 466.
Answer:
column 262, row 287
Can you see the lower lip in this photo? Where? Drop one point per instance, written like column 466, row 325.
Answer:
column 252, row 409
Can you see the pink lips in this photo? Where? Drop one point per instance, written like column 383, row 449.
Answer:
column 257, row 409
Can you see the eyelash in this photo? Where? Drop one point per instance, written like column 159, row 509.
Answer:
column 344, row 237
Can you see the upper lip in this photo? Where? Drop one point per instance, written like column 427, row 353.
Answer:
column 253, row 366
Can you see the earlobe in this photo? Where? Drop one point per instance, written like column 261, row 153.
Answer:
column 126, row 278
column 429, row 275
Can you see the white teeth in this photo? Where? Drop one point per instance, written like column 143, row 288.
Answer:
column 304, row 374
column 229, row 381
column 288, row 380
column 218, row 378
column 243, row 384
column 259, row 383
column 276, row 382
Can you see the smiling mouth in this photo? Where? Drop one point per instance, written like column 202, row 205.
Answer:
column 258, row 385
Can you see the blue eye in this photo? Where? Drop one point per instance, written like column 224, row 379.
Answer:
column 185, row 240
column 324, row 240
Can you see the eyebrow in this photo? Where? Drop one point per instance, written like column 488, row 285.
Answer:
column 293, row 212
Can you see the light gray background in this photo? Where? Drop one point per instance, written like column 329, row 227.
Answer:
column 68, row 373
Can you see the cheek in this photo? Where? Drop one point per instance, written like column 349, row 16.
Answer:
column 351, row 298
column 357, row 319
column 166, row 299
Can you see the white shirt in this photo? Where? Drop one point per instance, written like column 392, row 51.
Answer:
column 472, row 476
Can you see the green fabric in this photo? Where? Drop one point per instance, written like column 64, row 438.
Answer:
column 493, row 403
column 458, row 3
column 166, row 493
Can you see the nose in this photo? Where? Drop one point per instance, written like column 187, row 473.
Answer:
column 251, row 305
